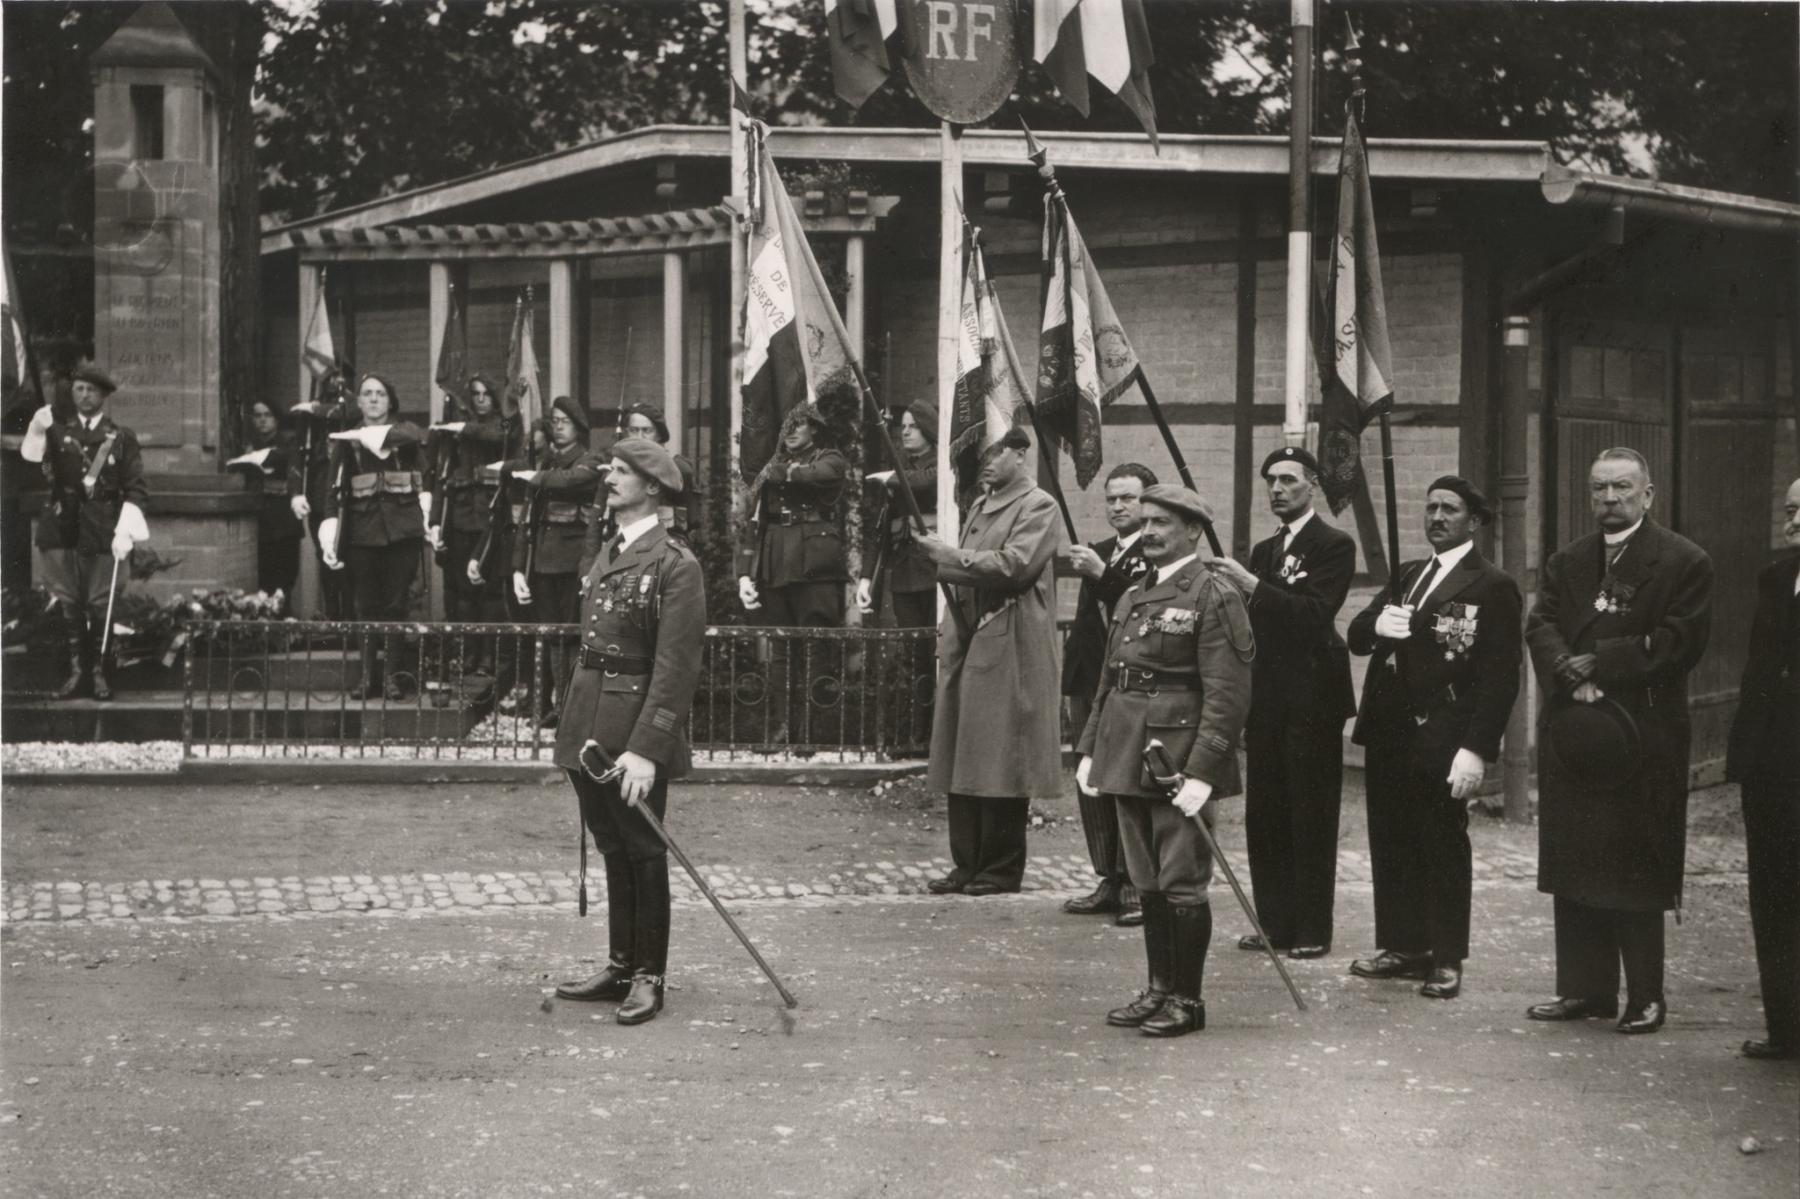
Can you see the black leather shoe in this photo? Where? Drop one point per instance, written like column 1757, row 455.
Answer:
column 1647, row 1018
column 1098, row 902
column 1388, row 964
column 612, row 983
column 551, row 720
column 1252, row 942
column 644, row 1001
column 981, row 888
column 1768, row 1051
column 1178, row 1018
column 948, row 885
column 102, row 689
column 1131, row 910
column 1305, row 953
column 1133, row 1014
column 1573, row 1009
column 1445, row 983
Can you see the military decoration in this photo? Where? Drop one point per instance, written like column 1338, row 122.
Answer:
column 1615, row 597
column 1455, row 628
column 1291, row 571
column 1177, row 622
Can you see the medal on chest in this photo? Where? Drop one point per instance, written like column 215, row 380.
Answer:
column 1455, row 628
column 1615, row 597
column 1291, row 570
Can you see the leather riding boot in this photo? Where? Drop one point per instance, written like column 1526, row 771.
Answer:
column 102, row 688
column 650, row 943
column 1190, row 932
column 75, row 637
column 1150, row 1000
column 614, row 982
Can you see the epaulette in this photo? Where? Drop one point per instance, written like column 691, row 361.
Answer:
column 1237, row 619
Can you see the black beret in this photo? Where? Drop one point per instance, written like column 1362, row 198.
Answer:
column 87, row 372
column 1182, row 500
column 652, row 415
column 1014, row 439
column 1290, row 453
column 650, row 460
column 570, row 407
column 1478, row 505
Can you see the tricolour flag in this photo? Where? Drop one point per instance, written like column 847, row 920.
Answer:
column 858, row 31
column 15, row 357
column 1085, row 361
column 318, row 351
column 522, row 391
column 792, row 352
column 990, row 386
column 452, row 374
column 1359, row 384
column 1108, row 39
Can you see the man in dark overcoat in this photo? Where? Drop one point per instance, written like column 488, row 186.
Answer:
column 1764, row 760
column 1443, row 675
column 643, row 629
column 996, row 736
column 1177, row 669
column 1294, row 743
column 1108, row 568
column 1622, row 617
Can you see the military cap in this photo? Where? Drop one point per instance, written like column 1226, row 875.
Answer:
column 1478, row 505
column 650, row 460
column 571, row 408
column 1595, row 744
column 1183, row 501
column 87, row 372
column 1290, row 453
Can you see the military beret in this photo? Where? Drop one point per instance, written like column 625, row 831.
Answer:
column 650, row 460
column 1477, row 502
column 1290, row 453
column 1015, row 438
column 1595, row 744
column 571, row 408
column 653, row 416
column 1181, row 500
column 87, row 372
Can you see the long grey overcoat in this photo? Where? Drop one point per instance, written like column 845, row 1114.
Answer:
column 997, row 731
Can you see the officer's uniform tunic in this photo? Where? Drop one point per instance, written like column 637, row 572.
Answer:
column 797, row 556
column 908, row 576
column 75, row 532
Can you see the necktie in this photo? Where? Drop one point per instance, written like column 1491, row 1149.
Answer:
column 613, row 546
column 1287, row 538
column 1614, row 549
column 1424, row 584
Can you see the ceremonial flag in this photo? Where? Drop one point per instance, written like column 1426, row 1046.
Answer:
column 792, row 352
column 858, row 31
column 1108, row 39
column 1085, row 360
column 15, row 352
column 452, row 374
column 1359, row 384
column 989, row 382
column 522, row 391
column 318, row 351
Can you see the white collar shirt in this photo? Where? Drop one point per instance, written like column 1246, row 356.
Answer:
column 1446, row 562
column 1169, row 570
column 1292, row 529
column 636, row 529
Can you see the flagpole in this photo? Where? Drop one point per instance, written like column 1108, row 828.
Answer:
column 950, row 221
column 1299, row 230
column 740, row 159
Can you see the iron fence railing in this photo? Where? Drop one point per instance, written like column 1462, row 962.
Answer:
column 482, row 692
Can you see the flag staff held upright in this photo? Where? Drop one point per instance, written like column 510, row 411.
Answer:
column 950, row 241
column 1299, row 229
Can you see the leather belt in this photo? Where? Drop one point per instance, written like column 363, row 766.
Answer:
column 1149, row 682
column 798, row 518
column 596, row 659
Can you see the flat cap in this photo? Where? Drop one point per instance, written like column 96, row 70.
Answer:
column 87, row 372
column 1181, row 500
column 1478, row 505
column 1289, row 453
column 650, row 460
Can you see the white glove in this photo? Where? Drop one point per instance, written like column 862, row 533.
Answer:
column 454, row 426
column 328, row 536
column 747, row 593
column 1588, row 692
column 1466, row 772
column 527, row 476
column 37, row 435
column 1193, row 796
column 474, row 572
column 865, row 596
column 425, row 505
column 131, row 522
column 521, row 589
column 372, row 437
column 1083, row 769
column 299, row 507
column 1394, row 623
column 435, row 535
column 121, row 546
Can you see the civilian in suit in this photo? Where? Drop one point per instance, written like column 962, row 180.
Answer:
column 1764, row 759
column 1107, row 568
column 1301, row 697
column 1622, row 616
column 1443, row 675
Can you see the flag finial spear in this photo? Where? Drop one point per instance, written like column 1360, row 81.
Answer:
column 1040, row 156
column 1353, row 56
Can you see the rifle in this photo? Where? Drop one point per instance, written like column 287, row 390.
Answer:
column 496, row 506
column 534, row 521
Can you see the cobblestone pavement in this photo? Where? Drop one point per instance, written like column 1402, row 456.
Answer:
column 1499, row 858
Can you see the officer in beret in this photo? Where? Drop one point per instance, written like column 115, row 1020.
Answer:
column 547, row 560
column 1178, row 670
column 1444, row 658
column 1294, row 744
column 92, row 517
column 1622, row 615
column 643, row 624
column 1764, row 759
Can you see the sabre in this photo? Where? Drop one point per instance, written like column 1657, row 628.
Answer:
column 598, row 765
column 1156, row 761
column 111, row 595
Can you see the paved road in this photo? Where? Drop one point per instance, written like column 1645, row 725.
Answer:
column 943, row 1046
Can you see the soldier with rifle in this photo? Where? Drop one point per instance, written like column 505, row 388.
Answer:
column 510, row 511
column 892, row 563
column 309, row 477
column 463, row 504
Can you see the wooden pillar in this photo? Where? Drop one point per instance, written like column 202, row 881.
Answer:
column 1515, row 493
column 856, row 300
column 562, row 328
column 439, row 315
column 311, row 274
column 674, row 298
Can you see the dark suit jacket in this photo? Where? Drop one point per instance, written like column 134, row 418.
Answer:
column 73, row 519
column 1758, row 744
column 1438, row 698
column 386, row 516
column 1302, row 670
column 1085, row 649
